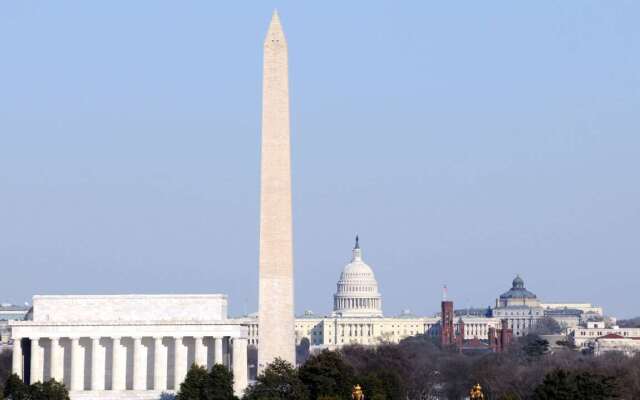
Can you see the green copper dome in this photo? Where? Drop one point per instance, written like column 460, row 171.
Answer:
column 518, row 291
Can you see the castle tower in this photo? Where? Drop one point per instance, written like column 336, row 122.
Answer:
column 276, row 337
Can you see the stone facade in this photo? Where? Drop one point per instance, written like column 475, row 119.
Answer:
column 584, row 337
column 9, row 312
column 334, row 332
column 522, row 309
column 276, row 240
column 127, row 346
column 629, row 346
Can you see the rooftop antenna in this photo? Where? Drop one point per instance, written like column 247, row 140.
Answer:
column 445, row 292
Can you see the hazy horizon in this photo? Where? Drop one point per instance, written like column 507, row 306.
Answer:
column 464, row 145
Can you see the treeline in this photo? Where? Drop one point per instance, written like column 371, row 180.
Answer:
column 419, row 369
column 629, row 323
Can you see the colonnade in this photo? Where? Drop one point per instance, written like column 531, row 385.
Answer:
column 144, row 377
column 356, row 303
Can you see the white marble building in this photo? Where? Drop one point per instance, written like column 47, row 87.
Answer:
column 519, row 307
column 127, row 346
column 585, row 337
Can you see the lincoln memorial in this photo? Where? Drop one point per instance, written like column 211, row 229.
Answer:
column 127, row 346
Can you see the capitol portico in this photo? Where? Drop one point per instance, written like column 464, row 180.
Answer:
column 127, row 346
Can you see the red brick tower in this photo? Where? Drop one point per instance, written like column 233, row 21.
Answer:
column 447, row 334
column 506, row 335
column 500, row 339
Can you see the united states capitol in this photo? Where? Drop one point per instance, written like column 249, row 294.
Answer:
column 357, row 315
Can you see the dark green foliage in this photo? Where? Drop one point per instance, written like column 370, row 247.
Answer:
column 561, row 384
column 629, row 323
column 383, row 371
column 195, row 385
column 49, row 390
column 202, row 385
column 302, row 351
column 221, row 383
column 5, row 368
column 534, row 346
column 278, row 381
column 326, row 374
column 547, row 326
column 15, row 389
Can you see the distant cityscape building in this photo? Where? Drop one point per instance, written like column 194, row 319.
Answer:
column 9, row 312
column 596, row 335
column 519, row 307
column 522, row 309
column 357, row 316
column 613, row 342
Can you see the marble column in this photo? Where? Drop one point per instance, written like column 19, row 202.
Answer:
column 57, row 360
column 37, row 361
column 160, row 365
column 97, row 365
column 180, row 363
column 16, row 366
column 217, row 350
column 201, row 351
column 77, row 365
column 239, row 365
column 139, row 365
column 118, row 366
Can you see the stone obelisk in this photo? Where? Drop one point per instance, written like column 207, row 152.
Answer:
column 276, row 336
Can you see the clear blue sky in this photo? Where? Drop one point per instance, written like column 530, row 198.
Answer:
column 464, row 141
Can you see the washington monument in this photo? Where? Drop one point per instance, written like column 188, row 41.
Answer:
column 276, row 337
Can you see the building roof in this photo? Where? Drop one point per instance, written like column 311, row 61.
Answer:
column 563, row 311
column 13, row 307
column 518, row 291
column 612, row 336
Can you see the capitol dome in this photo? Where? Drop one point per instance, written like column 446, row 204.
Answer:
column 357, row 292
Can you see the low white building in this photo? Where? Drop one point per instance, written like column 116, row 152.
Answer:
column 9, row 312
column 584, row 337
column 588, row 309
column 629, row 346
column 127, row 346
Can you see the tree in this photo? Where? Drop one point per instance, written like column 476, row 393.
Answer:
column 196, row 385
column 561, row 384
column 547, row 326
column 221, row 383
column 326, row 374
column 533, row 346
column 5, row 366
column 302, row 351
column 278, row 381
column 629, row 323
column 15, row 389
column 382, row 371
column 49, row 390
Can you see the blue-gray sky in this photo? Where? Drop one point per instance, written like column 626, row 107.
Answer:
column 464, row 141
